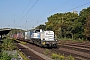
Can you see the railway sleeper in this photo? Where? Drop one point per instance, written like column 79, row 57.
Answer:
column 75, row 53
column 29, row 54
column 87, row 50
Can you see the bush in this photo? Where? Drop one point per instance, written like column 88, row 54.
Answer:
column 70, row 58
column 61, row 57
column 8, row 44
column 80, row 41
column 46, row 51
column 5, row 56
column 54, row 56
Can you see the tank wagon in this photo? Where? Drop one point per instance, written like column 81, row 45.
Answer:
column 41, row 38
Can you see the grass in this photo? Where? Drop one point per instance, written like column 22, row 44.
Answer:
column 46, row 52
column 61, row 57
column 63, row 40
column 80, row 40
column 56, row 56
column 70, row 58
column 23, row 42
column 23, row 55
column 68, row 39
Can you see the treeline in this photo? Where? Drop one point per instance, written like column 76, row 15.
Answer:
column 69, row 24
column 15, row 31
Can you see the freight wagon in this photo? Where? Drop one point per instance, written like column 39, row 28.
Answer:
column 41, row 38
column 20, row 36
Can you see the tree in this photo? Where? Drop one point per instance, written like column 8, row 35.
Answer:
column 62, row 23
column 83, row 15
column 70, row 24
column 54, row 23
column 87, row 28
column 41, row 27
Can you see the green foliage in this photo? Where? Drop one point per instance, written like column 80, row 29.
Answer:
column 58, row 56
column 64, row 24
column 69, row 24
column 23, row 42
column 70, row 58
column 61, row 57
column 41, row 27
column 87, row 27
column 79, row 40
column 64, row 40
column 46, row 52
column 84, row 19
column 54, row 56
column 23, row 55
column 16, row 56
column 8, row 44
column 5, row 56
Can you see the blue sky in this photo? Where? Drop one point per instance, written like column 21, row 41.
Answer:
column 13, row 13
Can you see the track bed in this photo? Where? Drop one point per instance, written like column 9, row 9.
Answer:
column 28, row 53
column 80, row 51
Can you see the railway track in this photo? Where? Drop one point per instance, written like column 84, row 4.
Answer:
column 78, row 54
column 80, row 51
column 28, row 53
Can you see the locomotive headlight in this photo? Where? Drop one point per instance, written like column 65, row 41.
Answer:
column 43, row 43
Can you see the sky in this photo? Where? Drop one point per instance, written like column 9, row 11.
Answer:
column 27, row 14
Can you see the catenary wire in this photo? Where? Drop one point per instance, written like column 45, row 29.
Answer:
column 24, row 9
column 76, row 7
column 28, row 11
column 53, row 10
